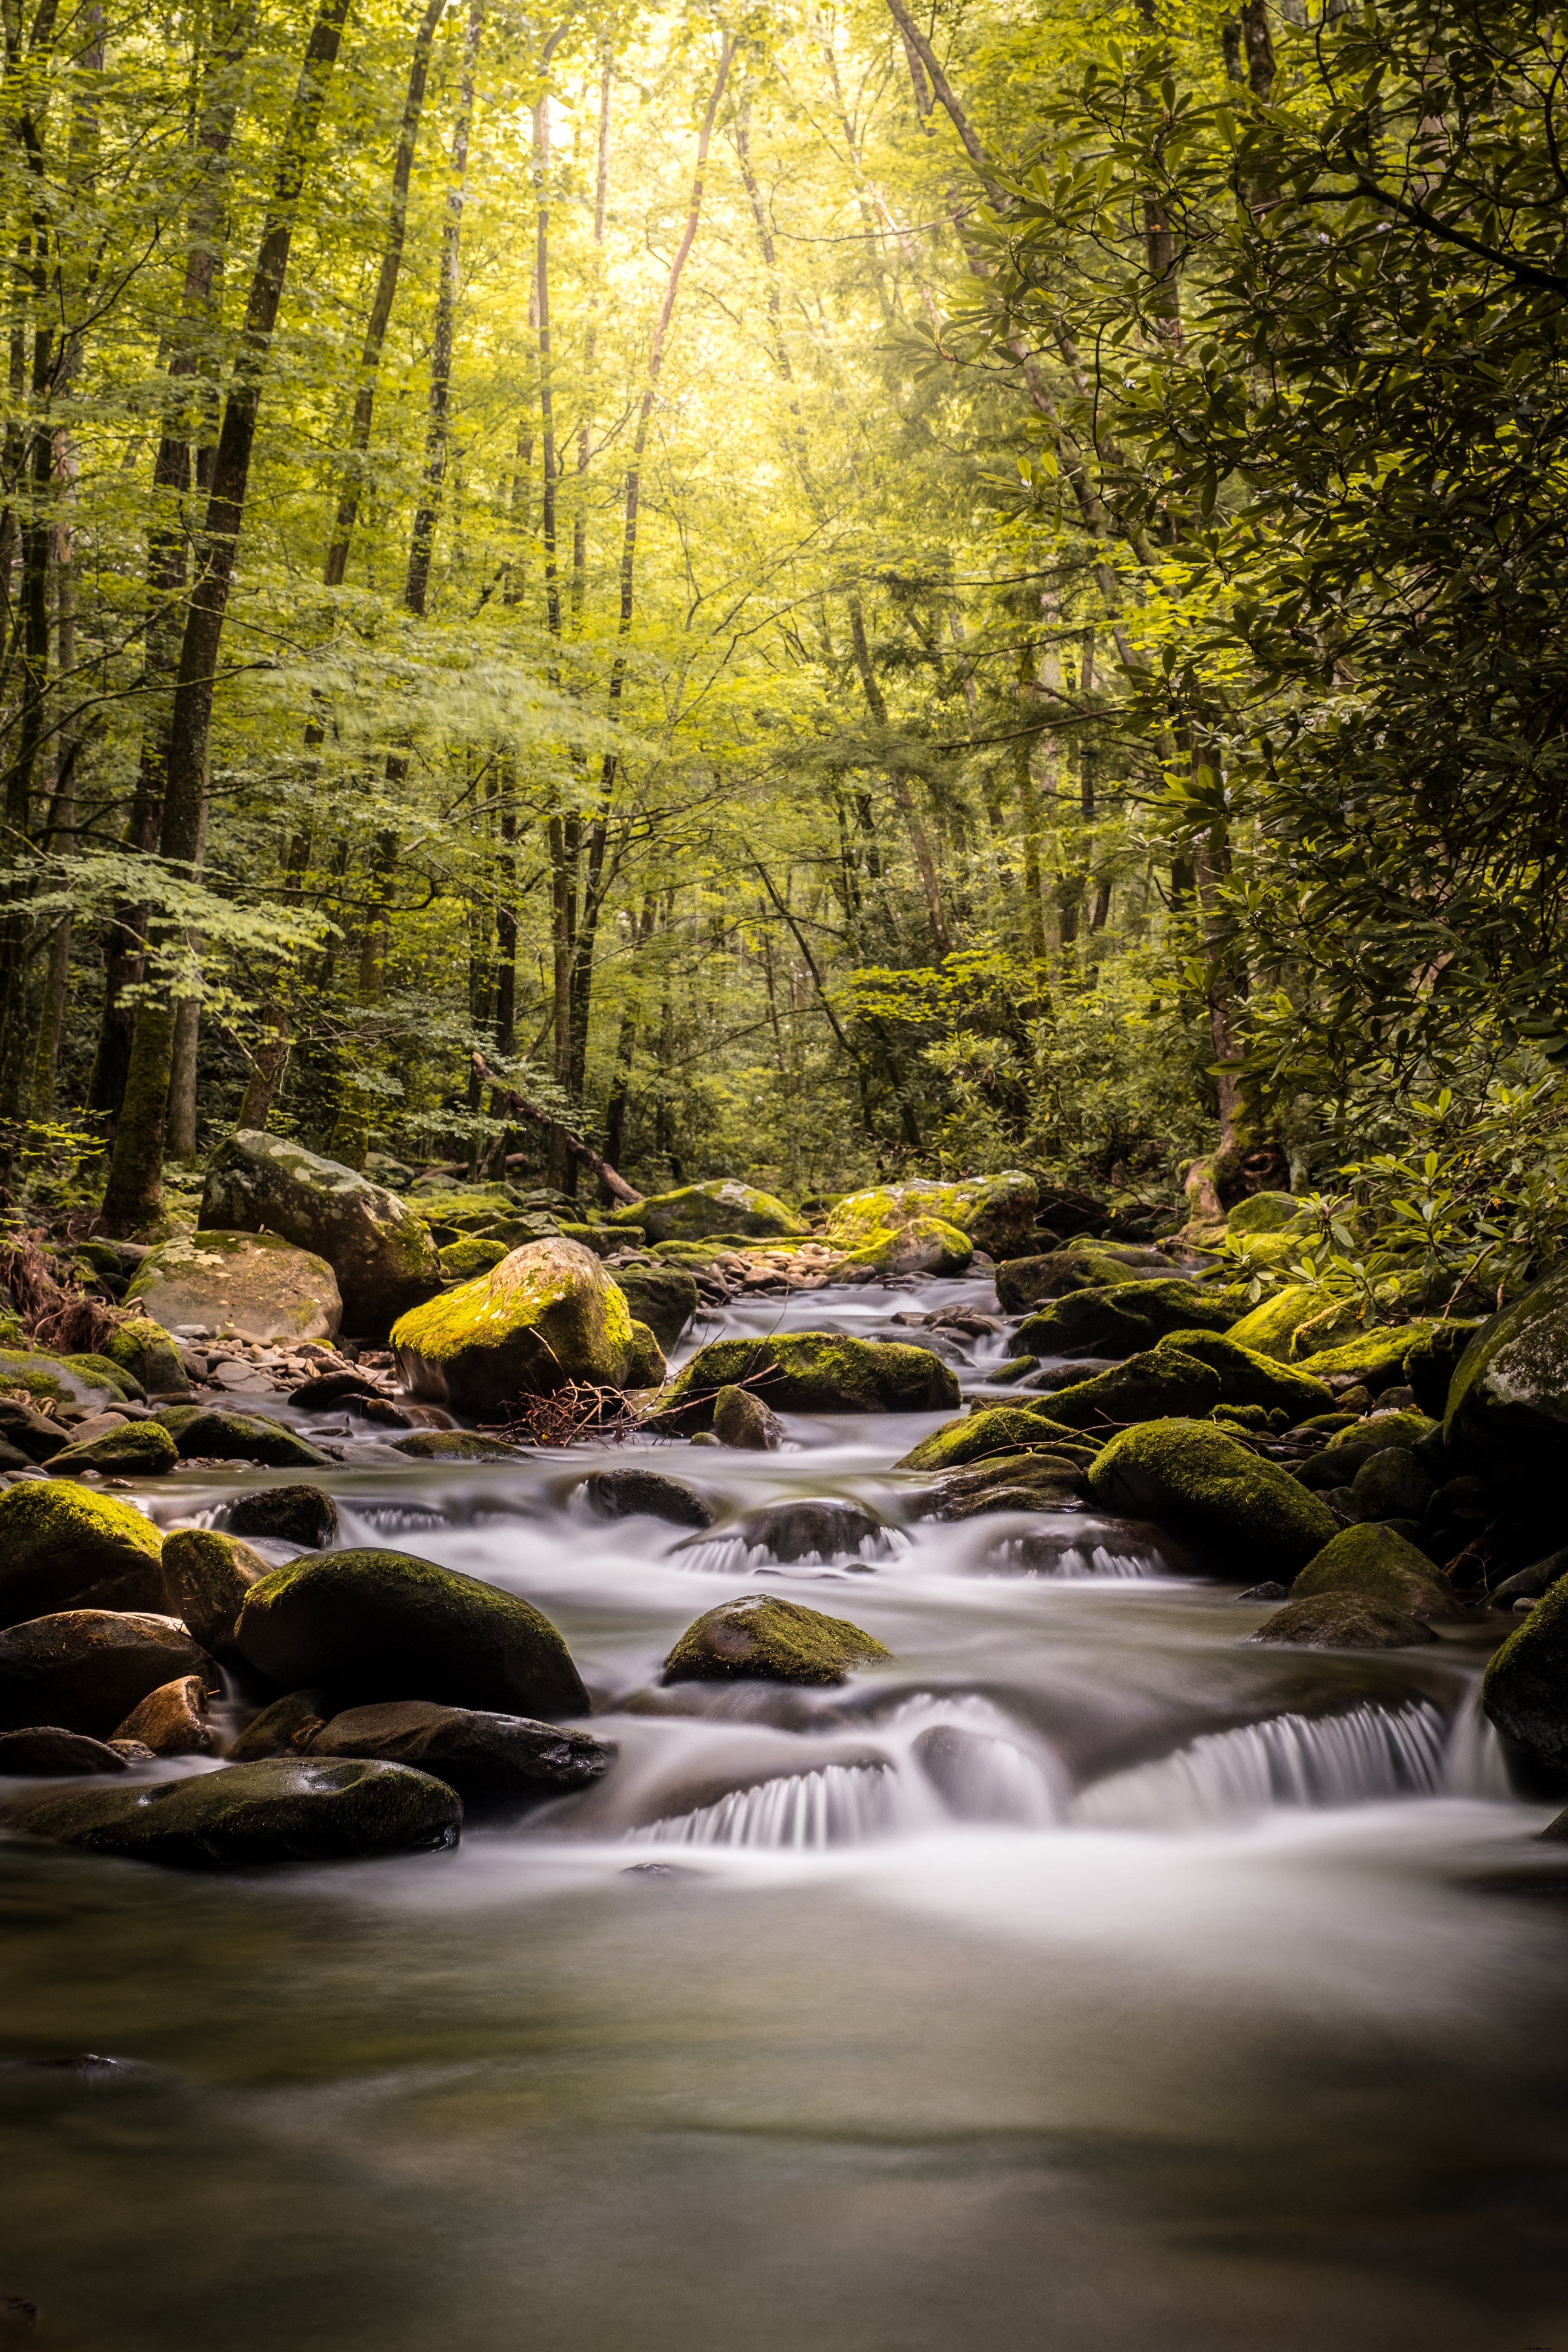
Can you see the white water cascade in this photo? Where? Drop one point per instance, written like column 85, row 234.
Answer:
column 1358, row 1758
column 840, row 1804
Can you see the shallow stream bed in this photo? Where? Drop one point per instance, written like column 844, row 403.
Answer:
column 1080, row 1978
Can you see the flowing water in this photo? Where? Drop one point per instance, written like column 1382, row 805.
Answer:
column 1080, row 1978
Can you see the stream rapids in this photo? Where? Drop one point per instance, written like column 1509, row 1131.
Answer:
column 1082, row 1979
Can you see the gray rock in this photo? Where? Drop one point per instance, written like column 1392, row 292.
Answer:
column 744, row 1421
column 379, row 1247
column 1508, row 1400
column 762, row 1638
column 1343, row 1621
column 1530, row 1583
column 254, row 1285
column 300, row 1514
column 488, row 1759
column 248, row 1437
column 85, row 1669
column 50, row 1753
column 647, row 1494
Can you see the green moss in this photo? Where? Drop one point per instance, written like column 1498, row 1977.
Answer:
column 605, row 1240
column 1254, row 1417
column 103, row 1371
column 721, row 1205
column 453, row 1446
column 462, row 1260
column 146, row 1349
column 1388, row 1429
column 1375, row 1355
column 646, row 1367
column 996, row 1213
column 247, row 1437
column 1509, row 1396
column 918, row 1245
column 206, row 1576
column 998, row 1428
column 762, row 1638
column 1008, row 1482
column 1248, row 1515
column 1246, row 1377
column 663, row 1297
column 1116, row 1320
column 139, row 1449
column 810, row 1371
column 254, row 1283
column 1015, row 1368
column 1525, row 1687
column 1343, row 1621
column 1376, row 1562
column 1269, row 1212
column 57, row 1540
column 1159, row 1385
column 58, row 1378
column 547, row 1315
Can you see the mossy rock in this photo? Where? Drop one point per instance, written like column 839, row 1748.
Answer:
column 1256, row 1420
column 1008, row 1482
column 1007, row 1374
column 998, row 1428
column 300, row 1515
column 101, row 1370
column 1525, row 1687
column 1342, row 1621
column 460, row 1261
column 256, row 1284
column 1507, row 1401
column 1024, row 1282
column 997, row 1213
column 146, row 1349
column 764, row 1638
column 809, row 1372
column 918, row 1245
column 453, row 1446
column 741, row 1420
column 1271, row 1327
column 247, row 1437
column 286, row 1809
column 605, row 1240
column 58, row 1541
column 1250, row 1378
column 379, row 1250
column 54, row 1378
column 646, row 1367
column 1161, row 1384
column 85, row 1669
column 1269, row 1212
column 1376, row 1357
column 548, row 1315
column 721, row 1205
column 645, row 1494
column 1406, row 1428
column 1377, row 1562
column 1430, row 1365
column 379, row 1624
column 206, row 1576
column 1391, row 1484
column 138, row 1449
column 1119, row 1320
column 1247, row 1514
column 663, row 1297
column 488, row 1759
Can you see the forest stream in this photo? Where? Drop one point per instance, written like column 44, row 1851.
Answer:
column 1082, row 1976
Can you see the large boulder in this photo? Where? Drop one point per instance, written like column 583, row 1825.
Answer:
column 1246, row 1377
column 1379, row 1563
column 1162, row 1384
column 808, row 1371
column 257, row 1285
column 662, row 1296
column 488, row 1759
column 721, row 1205
column 60, row 1543
column 305, row 1809
column 645, row 1494
column 1525, row 1687
column 1508, row 1401
column 1343, row 1621
column 1024, row 1282
column 48, row 1753
column 85, row 1669
column 1271, row 1326
column 245, row 1437
column 172, row 1720
column 1376, row 1358
column 373, row 1625
column 997, row 1213
column 206, row 1577
column 1269, row 1212
column 34, row 1435
column 1247, row 1514
column 1115, row 1321
column 379, row 1248
column 998, row 1428
column 137, row 1449
column 62, row 1379
column 764, row 1639
column 148, row 1352
column 548, row 1315
column 915, row 1246
column 306, row 1515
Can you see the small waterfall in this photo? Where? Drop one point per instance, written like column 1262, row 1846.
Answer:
column 1042, row 1556
column 839, row 1804
column 1358, row 1758
column 1475, row 1766
column 392, row 1519
column 733, row 1555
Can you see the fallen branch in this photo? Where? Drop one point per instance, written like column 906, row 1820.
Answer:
column 520, row 1106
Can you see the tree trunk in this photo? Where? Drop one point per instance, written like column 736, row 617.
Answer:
column 415, row 593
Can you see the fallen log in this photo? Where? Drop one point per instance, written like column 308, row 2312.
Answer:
column 518, row 1107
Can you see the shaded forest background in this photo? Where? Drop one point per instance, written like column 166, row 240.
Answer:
column 831, row 591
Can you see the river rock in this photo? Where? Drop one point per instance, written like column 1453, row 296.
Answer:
column 721, row 1205
column 454, row 1446
column 995, row 1429
column 381, row 1624
column 287, row 1727
column 1247, row 1514
column 1429, row 1366
column 740, row 1419
column 1118, row 1320
column 916, row 1245
column 1391, row 1484
column 1386, row 1567
column 63, row 1379
column 662, row 1296
column 646, row 1367
column 816, row 1527
column 1270, row 1327
column 149, row 1354
column 1024, row 1282
column 35, row 1435
column 1009, row 1482
column 1525, row 1688
column 298, row 1514
column 59, row 1542
column 379, row 1247
column 84, row 1669
column 472, row 1253
column 171, row 1720
column 1507, row 1401
column 548, row 1315
column 1161, row 1384
column 48, row 1753
column 206, row 1576
column 488, row 1759
column 764, row 1638
column 647, row 1494
column 1247, row 1378
column 808, row 1371
column 303, row 1809
column 1269, row 1212
column 997, row 1213
column 137, row 1449
column 1343, row 1621
column 248, row 1437
column 256, row 1286
column 1530, row 1583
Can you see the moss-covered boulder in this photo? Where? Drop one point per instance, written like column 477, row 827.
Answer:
column 1391, row 1484
column 36, row 1436
column 59, row 1542
column 148, row 1352
column 1269, row 1212
column 1161, row 1385
column 454, row 1446
column 137, row 1449
column 742, row 1420
column 996, row 1212
column 764, row 1638
column 547, row 1315
column 102, row 1370
column 645, row 1494
column 646, row 1367
column 379, row 1248
column 59, row 1380
column 1507, row 1401
column 306, row 1809
column 1026, row 1282
column 489, row 1760
column 1120, row 1319
column 298, row 1514
column 248, row 1437
column 1342, row 1621
column 721, row 1205
column 808, row 1371
column 1375, row 1358
column 1245, row 1514
column 257, row 1285
column 1271, row 1327
column 475, row 1254
column 1429, row 1366
column 206, row 1577
column 85, row 1669
column 662, row 1296
column 377, row 1625
column 1248, row 1378
column 1008, row 1482
column 1525, row 1688
column 1378, row 1563
column 287, row 1727
column 1370, row 1434
column 605, row 1240
column 916, row 1245
column 997, row 1429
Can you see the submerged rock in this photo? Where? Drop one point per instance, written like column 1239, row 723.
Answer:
column 300, row 1514
column 303, row 1809
column 818, row 1527
column 1120, row 1319
column 381, row 1624
column 744, row 1421
column 548, row 1315
column 762, row 1638
column 257, row 1285
column 137, row 1449
column 205, row 1579
column 1247, row 1515
column 660, row 1295
column 1343, row 1621
column 808, row 1371
column 645, row 1494
column 1161, row 1384
column 60, row 1542
column 721, row 1205
column 47, row 1752
column 379, row 1248
column 486, row 1757
column 1379, row 1563
column 171, row 1720
column 248, row 1437
column 85, row 1669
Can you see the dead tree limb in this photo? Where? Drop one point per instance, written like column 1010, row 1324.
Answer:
column 520, row 1106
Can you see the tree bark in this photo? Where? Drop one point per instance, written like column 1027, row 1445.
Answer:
column 417, row 591
column 519, row 1105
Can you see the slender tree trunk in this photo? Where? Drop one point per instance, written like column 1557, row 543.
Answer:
column 919, row 840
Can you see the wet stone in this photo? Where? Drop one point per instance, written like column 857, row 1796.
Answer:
column 489, row 1759
column 287, row 1727
column 84, row 1669
column 742, row 1421
column 301, row 1515
column 47, row 1752
column 763, row 1638
column 630, row 1493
